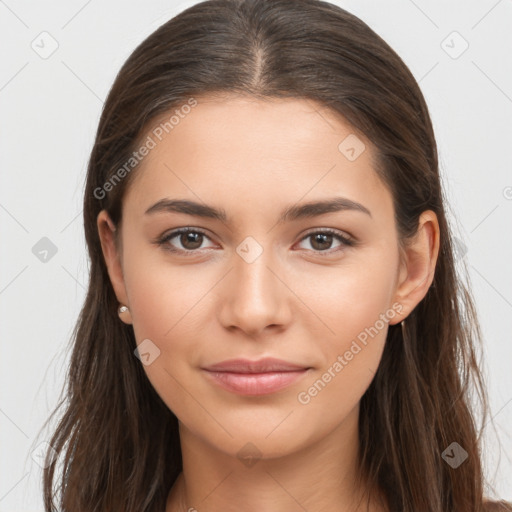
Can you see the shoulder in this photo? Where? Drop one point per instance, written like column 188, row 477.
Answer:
column 497, row 506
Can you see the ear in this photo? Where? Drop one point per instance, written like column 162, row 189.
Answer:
column 111, row 254
column 418, row 265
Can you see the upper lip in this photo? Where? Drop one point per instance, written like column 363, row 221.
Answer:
column 265, row 365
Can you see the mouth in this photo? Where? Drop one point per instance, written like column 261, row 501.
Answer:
column 253, row 378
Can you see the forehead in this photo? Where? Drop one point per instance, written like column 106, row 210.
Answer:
column 263, row 128
column 254, row 151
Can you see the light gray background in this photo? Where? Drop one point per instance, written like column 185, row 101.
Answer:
column 50, row 108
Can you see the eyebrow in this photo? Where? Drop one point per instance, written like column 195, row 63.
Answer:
column 291, row 213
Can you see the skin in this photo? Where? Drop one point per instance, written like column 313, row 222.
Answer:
column 253, row 158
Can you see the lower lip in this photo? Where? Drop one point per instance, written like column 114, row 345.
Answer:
column 255, row 383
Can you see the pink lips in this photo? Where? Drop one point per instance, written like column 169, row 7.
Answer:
column 260, row 377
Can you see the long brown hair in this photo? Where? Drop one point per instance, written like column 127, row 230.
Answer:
column 117, row 441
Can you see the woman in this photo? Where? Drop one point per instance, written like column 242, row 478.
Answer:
column 274, row 320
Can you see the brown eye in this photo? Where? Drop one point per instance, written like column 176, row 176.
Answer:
column 321, row 241
column 190, row 239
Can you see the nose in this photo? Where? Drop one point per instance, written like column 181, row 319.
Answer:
column 256, row 298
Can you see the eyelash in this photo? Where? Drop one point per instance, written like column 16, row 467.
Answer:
column 341, row 238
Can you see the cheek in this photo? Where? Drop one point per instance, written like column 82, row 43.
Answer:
column 171, row 307
column 166, row 307
column 164, row 297
column 355, row 304
column 351, row 359
column 350, row 297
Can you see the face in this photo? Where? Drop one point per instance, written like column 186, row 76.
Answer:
column 316, row 288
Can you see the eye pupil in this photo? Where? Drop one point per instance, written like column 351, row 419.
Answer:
column 322, row 238
column 194, row 238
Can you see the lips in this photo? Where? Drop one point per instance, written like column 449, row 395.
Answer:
column 245, row 377
column 266, row 365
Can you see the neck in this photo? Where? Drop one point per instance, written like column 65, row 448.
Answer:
column 316, row 478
